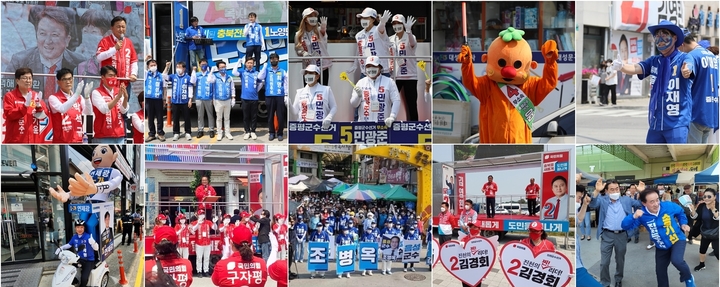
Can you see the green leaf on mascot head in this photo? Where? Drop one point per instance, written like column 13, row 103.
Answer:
column 511, row 34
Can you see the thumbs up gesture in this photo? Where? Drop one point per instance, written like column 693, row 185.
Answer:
column 685, row 71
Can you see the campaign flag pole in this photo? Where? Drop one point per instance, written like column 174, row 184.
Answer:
column 464, row 24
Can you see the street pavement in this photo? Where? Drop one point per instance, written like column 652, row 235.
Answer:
column 207, row 282
column 421, row 277
column 495, row 278
column 640, row 263
column 236, row 130
column 624, row 123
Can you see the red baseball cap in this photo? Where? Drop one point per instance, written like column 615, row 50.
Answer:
column 536, row 225
column 278, row 271
column 162, row 217
column 244, row 214
column 166, row 232
column 279, row 216
column 227, row 216
column 242, row 234
column 201, row 211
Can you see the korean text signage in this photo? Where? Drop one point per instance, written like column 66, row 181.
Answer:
column 638, row 15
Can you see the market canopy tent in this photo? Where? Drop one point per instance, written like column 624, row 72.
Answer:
column 324, row 186
column 399, row 193
column 312, row 181
column 684, row 177
column 335, row 180
column 297, row 178
column 378, row 188
column 298, row 187
column 710, row 175
column 361, row 194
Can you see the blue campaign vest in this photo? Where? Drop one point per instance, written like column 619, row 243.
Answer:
column 248, row 79
column 180, row 85
column 223, row 90
column 88, row 252
column 101, row 174
column 153, row 85
column 204, row 89
column 254, row 41
column 672, row 110
column 274, row 82
column 705, row 91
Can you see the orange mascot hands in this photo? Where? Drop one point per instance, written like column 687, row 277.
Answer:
column 465, row 56
column 509, row 61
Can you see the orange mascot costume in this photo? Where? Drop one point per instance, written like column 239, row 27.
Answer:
column 507, row 94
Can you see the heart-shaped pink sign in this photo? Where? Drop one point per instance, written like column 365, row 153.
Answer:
column 435, row 251
column 522, row 267
column 471, row 263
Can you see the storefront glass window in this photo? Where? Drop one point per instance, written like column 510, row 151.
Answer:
column 541, row 21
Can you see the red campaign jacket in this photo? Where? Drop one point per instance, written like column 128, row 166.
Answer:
column 202, row 234
column 122, row 60
column 112, row 124
column 183, row 236
column 138, row 137
column 233, row 271
column 180, row 269
column 201, row 193
column 66, row 125
column 545, row 245
column 17, row 117
column 228, row 231
column 280, row 231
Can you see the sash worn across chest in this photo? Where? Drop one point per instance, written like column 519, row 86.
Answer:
column 520, row 101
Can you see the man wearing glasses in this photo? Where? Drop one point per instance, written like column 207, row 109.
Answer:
column 611, row 211
column 666, row 222
column 18, row 107
column 673, row 71
column 67, row 109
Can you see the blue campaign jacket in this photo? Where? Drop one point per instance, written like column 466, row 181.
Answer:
column 664, row 229
column 601, row 203
column 88, row 253
column 320, row 236
column 301, row 231
column 673, row 110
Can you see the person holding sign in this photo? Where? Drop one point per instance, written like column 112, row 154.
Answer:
column 183, row 233
column 489, row 189
column 666, row 222
column 342, row 240
column 320, row 235
column 390, row 241
column 368, row 236
column 242, row 268
column 706, row 220
column 538, row 238
column 376, row 96
column 468, row 215
column 556, row 207
column 670, row 107
column 411, row 235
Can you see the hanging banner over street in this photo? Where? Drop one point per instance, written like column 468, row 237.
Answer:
column 638, row 15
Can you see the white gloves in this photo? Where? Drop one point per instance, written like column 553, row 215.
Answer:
column 358, row 91
column 323, row 22
column 409, row 22
column 326, row 123
column 28, row 98
column 617, row 65
column 232, row 103
column 389, row 121
column 93, row 243
column 88, row 89
column 385, row 17
column 79, row 88
column 215, row 219
column 57, row 252
column 214, row 69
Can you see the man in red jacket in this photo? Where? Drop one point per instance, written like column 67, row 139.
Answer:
column 201, row 192
column 489, row 189
column 18, row 107
column 118, row 51
column 531, row 193
column 110, row 102
column 201, row 229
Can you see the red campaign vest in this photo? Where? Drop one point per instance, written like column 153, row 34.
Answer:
column 122, row 60
column 202, row 234
column 228, row 231
column 41, row 129
column 185, row 234
column 17, row 131
column 67, row 127
column 110, row 125
column 137, row 135
column 280, row 231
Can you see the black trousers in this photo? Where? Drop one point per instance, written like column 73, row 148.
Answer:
column 87, row 267
column 325, row 77
column 410, row 87
column 444, row 238
column 531, row 206
column 250, row 111
column 291, row 255
column 276, row 106
column 127, row 230
column 154, row 110
column 254, row 51
column 490, row 207
column 613, row 95
column 603, row 94
column 177, row 109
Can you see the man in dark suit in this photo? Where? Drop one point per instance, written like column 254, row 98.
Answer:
column 52, row 30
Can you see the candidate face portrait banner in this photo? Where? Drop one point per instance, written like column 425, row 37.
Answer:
column 391, row 247
column 345, row 258
column 524, row 268
column 368, row 256
column 469, row 263
column 107, row 234
column 318, row 256
column 554, row 186
column 411, row 251
column 449, row 186
column 628, row 47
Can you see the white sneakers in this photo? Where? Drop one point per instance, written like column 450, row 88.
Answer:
column 188, row 137
column 176, row 137
column 246, row 136
column 228, row 136
column 253, row 136
column 219, row 135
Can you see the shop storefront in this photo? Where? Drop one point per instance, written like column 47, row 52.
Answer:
column 31, row 219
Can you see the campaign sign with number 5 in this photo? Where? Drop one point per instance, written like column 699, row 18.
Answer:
column 435, row 250
column 524, row 268
column 469, row 264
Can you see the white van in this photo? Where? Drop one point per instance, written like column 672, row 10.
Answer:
column 508, row 208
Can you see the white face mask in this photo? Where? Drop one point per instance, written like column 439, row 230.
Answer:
column 180, row 71
column 182, row 221
column 398, row 28
column 372, row 72
column 309, row 79
column 364, row 23
column 577, row 205
column 467, row 207
column 345, row 232
column 153, row 69
column 442, row 209
column 614, row 196
column 201, row 217
column 662, row 191
column 281, row 221
column 226, row 221
column 163, row 221
column 312, row 21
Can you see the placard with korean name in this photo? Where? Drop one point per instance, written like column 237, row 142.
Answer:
column 318, row 256
column 360, row 133
column 80, row 208
column 524, row 268
column 368, row 256
column 391, row 247
column 345, row 258
column 469, row 263
column 411, row 251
